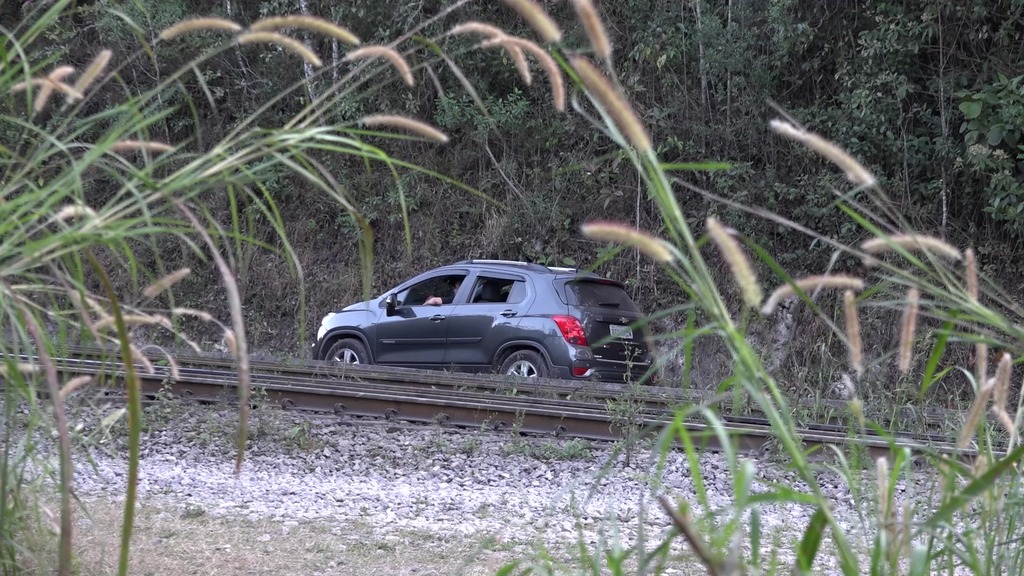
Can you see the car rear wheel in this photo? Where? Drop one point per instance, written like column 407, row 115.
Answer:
column 526, row 363
column 348, row 351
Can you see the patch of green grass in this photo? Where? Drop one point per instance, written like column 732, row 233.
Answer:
column 572, row 449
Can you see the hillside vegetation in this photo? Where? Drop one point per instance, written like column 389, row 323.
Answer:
column 230, row 179
column 927, row 95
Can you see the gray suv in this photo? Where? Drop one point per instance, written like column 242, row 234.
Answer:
column 515, row 318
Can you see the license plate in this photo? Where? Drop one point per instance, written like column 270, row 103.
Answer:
column 622, row 332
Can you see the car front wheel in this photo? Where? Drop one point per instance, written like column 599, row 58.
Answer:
column 348, row 351
column 526, row 363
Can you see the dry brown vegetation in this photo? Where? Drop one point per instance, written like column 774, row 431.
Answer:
column 190, row 542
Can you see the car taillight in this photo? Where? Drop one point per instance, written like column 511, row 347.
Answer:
column 571, row 330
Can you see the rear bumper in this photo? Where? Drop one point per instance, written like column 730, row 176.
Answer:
column 609, row 372
column 579, row 363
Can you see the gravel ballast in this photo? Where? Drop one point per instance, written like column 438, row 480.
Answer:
column 396, row 477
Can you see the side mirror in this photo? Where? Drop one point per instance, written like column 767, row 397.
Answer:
column 391, row 303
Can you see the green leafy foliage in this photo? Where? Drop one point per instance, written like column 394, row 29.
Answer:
column 993, row 132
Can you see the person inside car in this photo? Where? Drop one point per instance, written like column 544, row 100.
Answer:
column 439, row 300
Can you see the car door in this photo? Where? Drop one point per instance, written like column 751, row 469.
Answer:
column 415, row 335
column 488, row 318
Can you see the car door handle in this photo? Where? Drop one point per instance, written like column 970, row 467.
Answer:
column 436, row 318
column 508, row 313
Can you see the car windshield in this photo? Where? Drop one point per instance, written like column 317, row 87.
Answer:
column 601, row 295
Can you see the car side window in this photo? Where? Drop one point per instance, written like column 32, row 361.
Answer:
column 444, row 287
column 492, row 290
column 517, row 292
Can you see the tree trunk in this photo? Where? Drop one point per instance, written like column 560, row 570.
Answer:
column 306, row 66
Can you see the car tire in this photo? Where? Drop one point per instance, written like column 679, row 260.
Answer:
column 527, row 363
column 348, row 351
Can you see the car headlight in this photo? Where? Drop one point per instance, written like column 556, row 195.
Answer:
column 323, row 325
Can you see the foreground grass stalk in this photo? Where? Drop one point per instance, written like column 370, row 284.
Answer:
column 63, row 439
column 240, row 350
column 134, row 415
column 682, row 522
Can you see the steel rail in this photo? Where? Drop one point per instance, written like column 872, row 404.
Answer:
column 476, row 409
column 229, row 378
column 653, row 397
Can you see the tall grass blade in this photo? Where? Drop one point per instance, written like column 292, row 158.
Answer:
column 64, row 440
column 811, row 542
column 241, row 349
column 974, row 489
column 929, row 378
column 134, row 414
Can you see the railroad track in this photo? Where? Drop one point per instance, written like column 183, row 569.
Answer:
column 822, row 411
column 540, row 407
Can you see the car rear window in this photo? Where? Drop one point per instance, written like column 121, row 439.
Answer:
column 600, row 295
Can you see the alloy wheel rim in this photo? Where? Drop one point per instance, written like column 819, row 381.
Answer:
column 523, row 368
column 347, row 356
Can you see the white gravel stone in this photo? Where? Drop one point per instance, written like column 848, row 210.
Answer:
column 421, row 478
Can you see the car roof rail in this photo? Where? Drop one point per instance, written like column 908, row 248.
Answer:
column 486, row 261
column 519, row 263
column 528, row 265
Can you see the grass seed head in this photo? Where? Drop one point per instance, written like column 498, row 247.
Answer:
column 908, row 329
column 71, row 212
column 173, row 365
column 515, row 53
column 286, row 42
column 1004, row 419
column 594, row 28
column 912, row 242
column 857, row 173
column 23, row 368
column 55, row 78
column 538, row 19
column 195, row 24
column 857, row 409
column 388, row 53
column 139, row 145
column 231, row 342
column 473, row 27
column 974, row 415
column 981, row 361
column 134, row 319
column 74, row 384
column 654, row 248
column 807, row 283
column 971, row 270
column 882, row 478
column 201, row 314
column 550, row 68
column 47, row 84
column 403, row 122
column 614, row 102
column 742, row 272
column 166, row 282
column 522, row 66
column 96, row 67
column 1004, row 371
column 311, row 23
column 141, row 358
column 853, row 332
